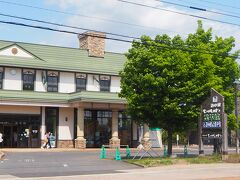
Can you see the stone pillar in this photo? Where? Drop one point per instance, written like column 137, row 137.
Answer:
column 114, row 141
column 134, row 134
column 146, row 136
column 80, row 142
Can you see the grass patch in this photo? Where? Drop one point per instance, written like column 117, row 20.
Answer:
column 233, row 158
column 204, row 159
column 151, row 162
column 162, row 161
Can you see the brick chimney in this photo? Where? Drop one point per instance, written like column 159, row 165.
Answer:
column 94, row 42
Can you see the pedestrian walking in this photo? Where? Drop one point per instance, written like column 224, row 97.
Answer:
column 45, row 141
column 48, row 142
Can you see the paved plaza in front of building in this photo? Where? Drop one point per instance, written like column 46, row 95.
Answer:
column 47, row 163
column 86, row 164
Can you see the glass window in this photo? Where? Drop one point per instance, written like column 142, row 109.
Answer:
column 88, row 114
column 97, row 127
column 105, row 83
column 52, row 82
column 81, row 81
column 124, row 121
column 103, row 117
column 1, row 78
column 28, row 80
column 51, row 123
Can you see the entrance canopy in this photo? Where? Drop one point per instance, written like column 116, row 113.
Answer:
column 9, row 97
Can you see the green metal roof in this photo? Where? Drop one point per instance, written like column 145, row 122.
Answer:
column 63, row 59
column 48, row 97
column 31, row 96
column 92, row 96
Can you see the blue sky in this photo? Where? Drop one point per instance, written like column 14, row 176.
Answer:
column 155, row 21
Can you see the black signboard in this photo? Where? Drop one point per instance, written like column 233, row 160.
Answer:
column 213, row 124
column 212, row 116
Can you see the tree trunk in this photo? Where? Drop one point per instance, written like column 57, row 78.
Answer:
column 170, row 133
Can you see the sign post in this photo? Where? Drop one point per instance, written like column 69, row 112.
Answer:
column 213, row 124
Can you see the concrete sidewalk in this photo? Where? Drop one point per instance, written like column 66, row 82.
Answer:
column 57, row 149
column 43, row 150
column 193, row 150
column 180, row 172
column 175, row 172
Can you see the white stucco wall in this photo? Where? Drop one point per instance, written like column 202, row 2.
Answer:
column 67, row 82
column 12, row 79
column 38, row 82
column 115, row 84
column 66, row 127
column 19, row 109
column 92, row 84
column 20, row 52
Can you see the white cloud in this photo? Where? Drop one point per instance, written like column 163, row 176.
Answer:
column 226, row 31
column 117, row 11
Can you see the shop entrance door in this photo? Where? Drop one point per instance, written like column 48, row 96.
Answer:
column 20, row 131
column 7, row 141
column 9, row 136
column 23, row 136
column 97, row 127
column 125, row 129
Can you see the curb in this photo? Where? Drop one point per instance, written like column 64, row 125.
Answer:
column 136, row 164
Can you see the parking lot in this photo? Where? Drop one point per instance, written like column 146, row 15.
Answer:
column 23, row 163
column 54, row 163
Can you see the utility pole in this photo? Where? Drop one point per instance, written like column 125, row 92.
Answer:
column 237, row 82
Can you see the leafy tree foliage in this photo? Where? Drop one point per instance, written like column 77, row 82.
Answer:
column 165, row 79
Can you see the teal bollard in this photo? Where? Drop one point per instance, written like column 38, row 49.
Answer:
column 185, row 151
column 128, row 152
column 117, row 156
column 165, row 153
column 103, row 153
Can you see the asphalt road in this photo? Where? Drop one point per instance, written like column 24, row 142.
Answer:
column 47, row 164
column 64, row 164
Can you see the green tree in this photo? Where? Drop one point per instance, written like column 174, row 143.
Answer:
column 166, row 79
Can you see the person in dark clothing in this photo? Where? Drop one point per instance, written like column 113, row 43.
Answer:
column 48, row 143
column 216, row 146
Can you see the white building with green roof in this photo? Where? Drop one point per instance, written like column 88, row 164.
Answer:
column 70, row 92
